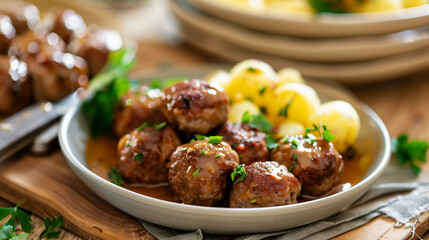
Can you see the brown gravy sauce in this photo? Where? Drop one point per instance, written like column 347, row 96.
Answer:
column 101, row 154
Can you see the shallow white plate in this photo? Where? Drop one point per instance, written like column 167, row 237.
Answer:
column 323, row 25
column 317, row 50
column 373, row 140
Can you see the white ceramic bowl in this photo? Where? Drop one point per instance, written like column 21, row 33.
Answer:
column 323, row 25
column 373, row 139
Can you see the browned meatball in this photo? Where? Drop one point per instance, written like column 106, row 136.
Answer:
column 95, row 47
column 136, row 107
column 143, row 154
column 318, row 165
column 24, row 16
column 248, row 142
column 58, row 76
column 200, row 172
column 195, row 106
column 266, row 184
column 7, row 33
column 66, row 23
column 15, row 87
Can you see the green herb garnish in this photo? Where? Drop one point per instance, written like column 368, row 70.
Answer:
column 283, row 111
column 271, row 141
column 295, row 143
column 327, row 135
column 260, row 122
column 115, row 177
column 196, row 172
column 310, row 138
column 262, row 90
column 138, row 157
column 156, row 83
column 329, row 6
column 246, row 117
column 215, row 139
column 7, row 231
column 144, row 125
column 51, row 226
column 295, row 158
column 263, row 110
column 202, row 152
column 239, row 174
column 199, row 137
column 160, row 126
column 251, row 69
column 253, row 201
column 409, row 152
column 107, row 88
column 217, row 156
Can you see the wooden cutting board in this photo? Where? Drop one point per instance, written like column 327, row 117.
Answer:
column 50, row 188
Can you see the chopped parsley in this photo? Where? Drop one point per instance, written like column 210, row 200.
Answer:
column 271, row 141
column 286, row 139
column 253, row 201
column 51, row 226
column 410, row 152
column 295, row 143
column 251, row 69
column 283, row 111
column 115, row 177
column 129, row 102
column 234, row 146
column 262, row 90
column 199, row 137
column 249, row 99
column 215, row 139
column 196, row 172
column 217, row 156
column 138, row 157
column 260, row 122
column 202, row 152
column 329, row 6
column 263, row 110
column 295, row 158
column 327, row 135
column 144, row 125
column 160, row 126
column 239, row 174
column 127, row 144
column 310, row 138
column 156, row 83
column 246, row 117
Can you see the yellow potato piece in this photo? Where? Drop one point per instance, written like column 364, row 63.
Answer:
column 300, row 101
column 290, row 75
column 380, row 5
column 238, row 109
column 290, row 128
column 252, row 80
column 220, row 77
column 343, row 121
column 413, row 3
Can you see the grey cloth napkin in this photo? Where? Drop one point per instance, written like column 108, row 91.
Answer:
column 402, row 208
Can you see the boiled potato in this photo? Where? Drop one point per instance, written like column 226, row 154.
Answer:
column 380, row 5
column 289, row 75
column 220, row 77
column 238, row 109
column 290, row 128
column 342, row 120
column 413, row 3
column 252, row 80
column 298, row 102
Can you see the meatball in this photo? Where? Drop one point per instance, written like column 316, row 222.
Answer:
column 95, row 47
column 56, row 77
column 136, row 107
column 195, row 106
column 15, row 87
column 248, row 142
column 316, row 163
column 66, row 23
column 24, row 16
column 7, row 33
column 200, row 172
column 143, row 154
column 266, row 184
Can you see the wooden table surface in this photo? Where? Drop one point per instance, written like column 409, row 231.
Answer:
column 401, row 103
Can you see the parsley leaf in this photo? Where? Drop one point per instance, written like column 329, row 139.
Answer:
column 246, row 117
column 196, row 172
column 138, row 157
column 239, row 173
column 294, row 163
column 327, row 134
column 7, row 231
column 160, row 126
column 215, row 139
column 253, row 201
column 202, row 153
column 283, row 111
column 271, row 141
column 262, row 90
column 115, row 177
column 217, row 156
column 51, row 226
column 260, row 122
column 199, row 137
column 409, row 151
